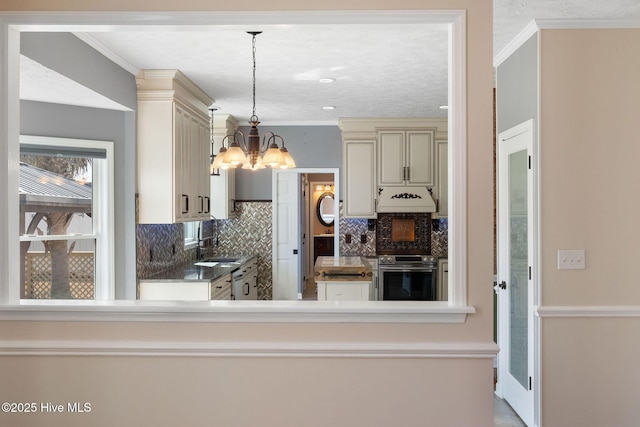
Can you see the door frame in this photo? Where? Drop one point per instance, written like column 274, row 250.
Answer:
column 274, row 234
column 535, row 257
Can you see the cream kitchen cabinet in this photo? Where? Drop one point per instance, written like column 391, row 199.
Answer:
column 406, row 157
column 443, row 279
column 360, row 178
column 223, row 183
column 221, row 288
column 441, row 189
column 173, row 148
column 245, row 281
column 344, row 291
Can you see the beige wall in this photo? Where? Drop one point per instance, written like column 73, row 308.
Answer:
column 590, row 104
column 282, row 391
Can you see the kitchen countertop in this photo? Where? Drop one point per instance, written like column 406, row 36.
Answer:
column 342, row 268
column 190, row 271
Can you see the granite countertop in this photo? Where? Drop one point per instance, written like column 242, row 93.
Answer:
column 342, row 268
column 191, row 271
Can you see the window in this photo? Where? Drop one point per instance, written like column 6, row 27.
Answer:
column 455, row 310
column 66, row 219
column 191, row 234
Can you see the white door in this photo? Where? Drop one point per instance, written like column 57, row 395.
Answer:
column 286, row 232
column 516, row 270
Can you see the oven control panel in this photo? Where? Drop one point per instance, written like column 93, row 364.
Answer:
column 407, row 259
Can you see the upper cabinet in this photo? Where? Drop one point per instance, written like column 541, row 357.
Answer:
column 359, row 157
column 441, row 189
column 172, row 148
column 390, row 152
column 405, row 157
column 223, row 182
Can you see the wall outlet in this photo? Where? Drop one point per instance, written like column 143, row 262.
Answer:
column 571, row 260
column 347, row 238
column 363, row 238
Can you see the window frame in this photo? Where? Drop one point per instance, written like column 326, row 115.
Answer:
column 453, row 311
column 102, row 211
column 190, row 231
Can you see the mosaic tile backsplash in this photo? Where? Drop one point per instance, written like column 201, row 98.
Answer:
column 248, row 234
column 160, row 247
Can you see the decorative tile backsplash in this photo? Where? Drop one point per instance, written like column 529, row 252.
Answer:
column 248, row 234
column 419, row 242
column 160, row 247
column 440, row 237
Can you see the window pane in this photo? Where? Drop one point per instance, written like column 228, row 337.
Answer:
column 56, row 199
column 61, row 271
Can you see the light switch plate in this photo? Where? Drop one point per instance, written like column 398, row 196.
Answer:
column 571, row 259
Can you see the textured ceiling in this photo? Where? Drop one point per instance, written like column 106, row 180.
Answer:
column 379, row 70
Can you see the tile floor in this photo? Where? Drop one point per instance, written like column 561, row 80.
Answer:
column 503, row 415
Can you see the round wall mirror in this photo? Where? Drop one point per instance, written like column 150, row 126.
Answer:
column 324, row 209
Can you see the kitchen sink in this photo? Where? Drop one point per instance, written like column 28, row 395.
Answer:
column 225, row 260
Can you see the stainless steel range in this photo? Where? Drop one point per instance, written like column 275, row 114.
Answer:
column 407, row 277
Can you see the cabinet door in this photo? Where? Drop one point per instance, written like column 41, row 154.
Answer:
column 322, row 246
column 200, row 167
column 391, row 158
column 441, row 190
column 419, row 158
column 360, row 179
column 443, row 280
column 171, row 290
column 183, row 201
column 349, row 291
column 223, row 190
column 221, row 288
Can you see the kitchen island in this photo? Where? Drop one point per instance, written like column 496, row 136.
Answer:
column 343, row 278
column 207, row 279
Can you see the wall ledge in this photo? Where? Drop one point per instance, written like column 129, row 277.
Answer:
column 237, row 311
column 462, row 350
column 588, row 311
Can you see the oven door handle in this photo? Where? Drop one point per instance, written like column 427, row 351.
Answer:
column 406, row 268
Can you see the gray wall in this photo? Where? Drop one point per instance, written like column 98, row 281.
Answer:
column 517, row 86
column 310, row 146
column 70, row 56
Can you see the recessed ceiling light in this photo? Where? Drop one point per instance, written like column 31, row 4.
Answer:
column 327, row 80
column 329, row 107
column 444, row 107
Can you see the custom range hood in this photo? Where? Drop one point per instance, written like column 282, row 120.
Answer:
column 400, row 199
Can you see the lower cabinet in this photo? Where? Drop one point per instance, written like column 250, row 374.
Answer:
column 443, row 279
column 221, row 288
column 344, row 291
column 186, row 290
column 174, row 290
column 245, row 282
column 322, row 246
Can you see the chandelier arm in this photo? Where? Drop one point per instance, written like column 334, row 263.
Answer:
column 241, row 141
column 271, row 140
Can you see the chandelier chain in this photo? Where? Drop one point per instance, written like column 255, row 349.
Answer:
column 253, row 44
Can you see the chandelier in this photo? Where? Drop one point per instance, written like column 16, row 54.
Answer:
column 252, row 154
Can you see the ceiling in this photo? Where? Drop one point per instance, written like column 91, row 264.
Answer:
column 390, row 70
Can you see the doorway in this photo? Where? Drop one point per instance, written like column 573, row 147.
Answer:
column 517, row 286
column 292, row 238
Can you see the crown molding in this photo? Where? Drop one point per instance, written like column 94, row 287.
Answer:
column 559, row 24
